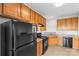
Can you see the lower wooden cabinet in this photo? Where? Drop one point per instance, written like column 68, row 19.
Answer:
column 75, row 42
column 60, row 40
column 39, row 48
column 52, row 40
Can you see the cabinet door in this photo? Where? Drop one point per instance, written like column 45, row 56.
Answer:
column 40, row 19
column 36, row 19
column 63, row 24
column 11, row 9
column 0, row 9
column 33, row 17
column 75, row 23
column 75, row 42
column 25, row 13
column 59, row 24
column 68, row 24
column 44, row 21
column 43, row 28
column 39, row 48
column 52, row 40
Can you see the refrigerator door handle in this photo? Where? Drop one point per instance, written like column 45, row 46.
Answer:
column 14, row 40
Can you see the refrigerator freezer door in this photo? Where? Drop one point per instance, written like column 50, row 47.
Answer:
column 27, row 50
column 2, row 41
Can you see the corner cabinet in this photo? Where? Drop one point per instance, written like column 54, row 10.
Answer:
column 25, row 13
column 0, row 8
column 11, row 10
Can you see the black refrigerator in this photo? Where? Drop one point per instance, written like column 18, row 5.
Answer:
column 20, row 38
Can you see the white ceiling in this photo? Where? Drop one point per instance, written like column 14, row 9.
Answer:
column 50, row 11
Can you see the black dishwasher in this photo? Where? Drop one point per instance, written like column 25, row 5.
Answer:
column 67, row 42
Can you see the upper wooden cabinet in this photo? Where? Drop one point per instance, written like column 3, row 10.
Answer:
column 0, row 8
column 25, row 13
column 21, row 12
column 75, row 23
column 68, row 24
column 32, row 17
column 36, row 18
column 43, row 28
column 59, row 24
column 11, row 10
column 40, row 19
column 44, row 21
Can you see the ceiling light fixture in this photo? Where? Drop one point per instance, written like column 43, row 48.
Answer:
column 58, row 4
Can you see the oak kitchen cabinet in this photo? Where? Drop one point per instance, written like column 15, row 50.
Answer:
column 21, row 12
column 11, row 10
column 68, row 24
column 40, row 19
column 34, row 17
column 75, row 23
column 0, row 9
column 59, row 24
column 75, row 43
column 39, row 47
column 25, row 13
column 44, row 21
column 43, row 28
column 52, row 40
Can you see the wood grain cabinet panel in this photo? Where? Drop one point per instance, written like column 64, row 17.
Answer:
column 75, row 23
column 25, row 13
column 33, row 17
column 43, row 28
column 68, row 24
column 36, row 19
column 63, row 25
column 59, row 24
column 0, row 8
column 44, row 21
column 75, row 42
column 11, row 10
column 40, row 19
column 52, row 40
column 39, row 48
